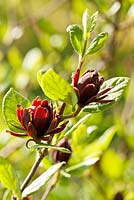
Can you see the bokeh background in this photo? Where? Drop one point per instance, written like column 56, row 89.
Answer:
column 33, row 36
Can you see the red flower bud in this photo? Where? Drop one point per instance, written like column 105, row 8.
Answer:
column 59, row 156
column 87, row 86
column 118, row 196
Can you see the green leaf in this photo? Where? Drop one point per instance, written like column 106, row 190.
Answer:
column 118, row 85
column 39, row 75
column 42, row 145
column 88, row 161
column 93, row 21
column 56, row 88
column 86, row 22
column 96, row 107
column 97, row 43
column 8, row 177
column 7, row 195
column 9, row 105
column 89, row 23
column 73, row 128
column 76, row 34
column 41, row 180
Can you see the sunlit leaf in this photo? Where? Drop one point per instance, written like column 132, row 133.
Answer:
column 9, row 105
column 8, row 177
column 56, row 88
column 93, row 21
column 97, row 43
column 39, row 76
column 41, row 180
column 86, row 22
column 75, row 33
column 7, row 195
column 97, row 107
column 43, row 145
column 118, row 85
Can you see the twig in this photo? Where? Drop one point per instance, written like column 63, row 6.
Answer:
column 51, row 185
column 33, row 169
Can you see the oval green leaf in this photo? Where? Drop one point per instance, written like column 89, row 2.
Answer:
column 76, row 34
column 56, row 88
column 43, row 145
column 9, row 105
column 8, row 177
column 97, row 43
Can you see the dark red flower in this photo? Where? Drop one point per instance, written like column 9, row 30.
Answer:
column 59, row 156
column 118, row 196
column 38, row 120
column 88, row 86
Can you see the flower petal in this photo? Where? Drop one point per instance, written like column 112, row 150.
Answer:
column 75, row 78
column 25, row 118
column 19, row 113
column 88, row 92
column 36, row 102
column 41, row 119
column 31, row 131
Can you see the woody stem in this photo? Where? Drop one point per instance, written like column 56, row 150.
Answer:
column 80, row 63
column 81, row 57
column 51, row 185
column 33, row 169
column 84, row 48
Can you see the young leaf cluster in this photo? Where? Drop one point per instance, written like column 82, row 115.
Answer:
column 79, row 36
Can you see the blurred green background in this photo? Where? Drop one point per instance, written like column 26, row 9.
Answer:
column 33, row 36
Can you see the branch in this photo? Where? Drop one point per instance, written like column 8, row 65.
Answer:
column 33, row 169
column 51, row 185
